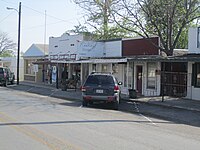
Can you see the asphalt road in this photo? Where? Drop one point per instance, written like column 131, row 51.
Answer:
column 32, row 121
column 180, row 116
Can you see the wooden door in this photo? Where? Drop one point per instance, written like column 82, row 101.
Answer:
column 139, row 79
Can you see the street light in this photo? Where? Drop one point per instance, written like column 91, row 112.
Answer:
column 18, row 48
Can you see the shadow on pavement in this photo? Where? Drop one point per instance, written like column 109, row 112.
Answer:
column 148, row 109
column 80, row 122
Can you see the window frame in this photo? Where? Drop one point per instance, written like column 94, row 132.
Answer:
column 195, row 74
column 198, row 37
column 153, row 72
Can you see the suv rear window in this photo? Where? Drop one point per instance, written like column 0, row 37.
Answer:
column 1, row 70
column 99, row 80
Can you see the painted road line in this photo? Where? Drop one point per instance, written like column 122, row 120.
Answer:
column 52, row 142
column 137, row 110
column 53, row 92
column 30, row 89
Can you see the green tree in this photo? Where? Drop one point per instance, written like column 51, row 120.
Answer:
column 79, row 29
column 167, row 19
column 7, row 46
column 98, row 16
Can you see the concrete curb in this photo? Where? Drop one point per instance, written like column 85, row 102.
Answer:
column 162, row 105
column 53, row 95
column 38, row 85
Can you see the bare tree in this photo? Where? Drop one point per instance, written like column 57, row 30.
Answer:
column 164, row 18
column 7, row 46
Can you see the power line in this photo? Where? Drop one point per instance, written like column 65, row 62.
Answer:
column 38, row 26
column 46, row 14
column 6, row 17
column 38, row 11
column 42, row 25
column 7, row 2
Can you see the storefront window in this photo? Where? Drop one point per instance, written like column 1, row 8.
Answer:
column 125, row 75
column 130, row 75
column 115, row 68
column 94, row 67
column 29, row 67
column 151, row 76
column 104, row 67
column 198, row 37
column 198, row 79
column 196, row 74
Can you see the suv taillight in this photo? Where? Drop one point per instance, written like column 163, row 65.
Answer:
column 116, row 88
column 83, row 89
column 5, row 75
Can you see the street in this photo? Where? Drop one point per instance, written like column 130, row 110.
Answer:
column 40, row 122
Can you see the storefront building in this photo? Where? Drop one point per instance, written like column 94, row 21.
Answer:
column 193, row 64
column 35, row 72
column 114, row 56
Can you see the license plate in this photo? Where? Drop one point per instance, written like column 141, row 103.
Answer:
column 99, row 91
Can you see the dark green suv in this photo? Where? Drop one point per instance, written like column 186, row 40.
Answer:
column 6, row 76
column 101, row 87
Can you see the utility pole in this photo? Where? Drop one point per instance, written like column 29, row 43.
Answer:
column 19, row 31
column 18, row 48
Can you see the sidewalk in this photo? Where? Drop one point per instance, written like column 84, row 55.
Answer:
column 169, row 102
column 70, row 94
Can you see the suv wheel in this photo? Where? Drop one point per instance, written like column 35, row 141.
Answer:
column 116, row 105
column 12, row 82
column 84, row 103
column 5, row 84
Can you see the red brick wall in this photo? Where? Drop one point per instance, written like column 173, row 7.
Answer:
column 140, row 47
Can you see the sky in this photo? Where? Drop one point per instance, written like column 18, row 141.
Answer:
column 61, row 16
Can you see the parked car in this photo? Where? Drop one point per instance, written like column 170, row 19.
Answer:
column 6, row 76
column 101, row 87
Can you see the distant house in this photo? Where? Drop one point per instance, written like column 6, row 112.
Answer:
column 35, row 72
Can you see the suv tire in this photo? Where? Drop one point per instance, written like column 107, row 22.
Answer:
column 84, row 103
column 116, row 105
column 12, row 82
column 5, row 83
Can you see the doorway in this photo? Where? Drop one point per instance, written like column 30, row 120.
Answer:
column 139, row 79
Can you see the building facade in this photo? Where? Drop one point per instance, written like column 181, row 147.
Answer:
column 80, row 57
column 194, row 64
column 35, row 72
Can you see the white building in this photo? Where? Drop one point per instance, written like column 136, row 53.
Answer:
column 194, row 64
column 194, row 41
column 35, row 72
column 65, row 46
column 11, row 62
column 81, row 57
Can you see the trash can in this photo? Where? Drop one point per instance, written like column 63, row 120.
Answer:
column 132, row 93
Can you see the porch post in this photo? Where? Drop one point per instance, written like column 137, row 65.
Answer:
column 162, row 80
column 127, row 70
column 57, row 75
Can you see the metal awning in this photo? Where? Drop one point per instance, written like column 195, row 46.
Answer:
column 185, row 58
column 95, row 61
column 147, row 58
